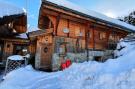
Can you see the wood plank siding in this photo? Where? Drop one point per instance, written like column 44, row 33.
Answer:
column 99, row 33
column 82, row 35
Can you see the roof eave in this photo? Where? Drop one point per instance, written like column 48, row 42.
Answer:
column 88, row 16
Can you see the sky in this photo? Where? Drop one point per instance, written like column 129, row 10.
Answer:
column 111, row 8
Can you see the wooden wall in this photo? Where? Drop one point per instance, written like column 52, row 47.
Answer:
column 20, row 24
column 32, row 48
column 8, row 50
column 100, row 35
column 43, row 56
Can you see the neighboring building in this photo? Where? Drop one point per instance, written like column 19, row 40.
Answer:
column 68, row 31
column 13, row 25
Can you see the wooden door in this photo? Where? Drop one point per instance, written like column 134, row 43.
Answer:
column 46, row 56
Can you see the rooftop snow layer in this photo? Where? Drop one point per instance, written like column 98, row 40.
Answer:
column 15, row 57
column 69, row 5
column 23, row 36
column 8, row 9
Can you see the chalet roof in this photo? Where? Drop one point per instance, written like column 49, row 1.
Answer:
column 7, row 9
column 68, row 6
column 22, row 36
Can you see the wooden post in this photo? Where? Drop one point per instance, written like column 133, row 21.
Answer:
column 107, row 38
column 68, row 27
column 57, row 23
column 93, row 36
column 87, row 35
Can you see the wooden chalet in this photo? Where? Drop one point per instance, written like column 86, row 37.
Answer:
column 13, row 25
column 67, row 32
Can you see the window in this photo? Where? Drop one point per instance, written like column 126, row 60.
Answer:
column 112, row 37
column 18, row 49
column 77, row 31
column 102, row 35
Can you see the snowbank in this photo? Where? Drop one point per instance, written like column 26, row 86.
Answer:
column 15, row 57
column 124, row 48
column 8, row 9
column 113, row 74
column 25, row 78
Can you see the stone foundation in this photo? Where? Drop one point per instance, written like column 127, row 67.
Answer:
column 80, row 57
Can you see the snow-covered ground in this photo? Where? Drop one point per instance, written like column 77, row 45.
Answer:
column 113, row 74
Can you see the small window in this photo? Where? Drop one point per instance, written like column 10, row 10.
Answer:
column 77, row 31
column 102, row 35
column 45, row 49
column 111, row 37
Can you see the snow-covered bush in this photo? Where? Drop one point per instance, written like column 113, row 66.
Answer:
column 124, row 47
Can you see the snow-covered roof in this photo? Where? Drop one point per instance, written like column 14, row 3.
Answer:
column 92, row 14
column 23, row 36
column 15, row 57
column 8, row 9
column 32, row 29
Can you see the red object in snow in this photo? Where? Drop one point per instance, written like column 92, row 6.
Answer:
column 63, row 66
column 68, row 63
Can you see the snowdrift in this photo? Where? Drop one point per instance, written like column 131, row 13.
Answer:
column 116, row 73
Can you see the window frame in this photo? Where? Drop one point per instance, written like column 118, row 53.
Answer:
column 102, row 35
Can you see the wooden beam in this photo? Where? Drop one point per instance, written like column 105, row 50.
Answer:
column 15, row 40
column 57, row 24
column 107, row 38
column 68, row 13
column 68, row 26
column 72, row 18
column 87, row 35
column 93, row 36
column 64, row 16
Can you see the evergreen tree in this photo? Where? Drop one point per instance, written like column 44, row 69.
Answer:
column 129, row 19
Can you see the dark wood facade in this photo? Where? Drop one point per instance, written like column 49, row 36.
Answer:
column 72, row 32
column 10, row 41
